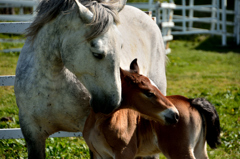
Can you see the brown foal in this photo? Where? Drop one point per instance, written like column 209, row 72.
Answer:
column 147, row 123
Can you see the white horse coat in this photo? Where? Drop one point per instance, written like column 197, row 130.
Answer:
column 59, row 72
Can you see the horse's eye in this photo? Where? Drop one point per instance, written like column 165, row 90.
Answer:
column 149, row 94
column 98, row 55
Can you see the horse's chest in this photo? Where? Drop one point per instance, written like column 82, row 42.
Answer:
column 62, row 104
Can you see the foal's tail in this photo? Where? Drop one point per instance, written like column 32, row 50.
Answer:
column 211, row 120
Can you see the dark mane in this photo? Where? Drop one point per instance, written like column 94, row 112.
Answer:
column 48, row 10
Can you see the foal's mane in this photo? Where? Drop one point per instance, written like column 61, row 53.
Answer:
column 104, row 14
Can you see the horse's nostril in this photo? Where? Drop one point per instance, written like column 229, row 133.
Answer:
column 93, row 44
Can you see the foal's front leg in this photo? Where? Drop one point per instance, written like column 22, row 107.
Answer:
column 127, row 154
column 152, row 157
column 188, row 154
column 127, row 151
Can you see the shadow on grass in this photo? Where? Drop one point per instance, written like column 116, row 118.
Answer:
column 214, row 44
column 211, row 43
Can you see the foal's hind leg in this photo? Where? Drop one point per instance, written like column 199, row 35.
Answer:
column 200, row 151
column 35, row 139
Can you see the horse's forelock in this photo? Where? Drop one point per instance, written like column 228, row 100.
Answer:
column 104, row 15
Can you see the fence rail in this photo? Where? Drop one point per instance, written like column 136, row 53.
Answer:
column 20, row 3
column 7, row 80
column 16, row 133
column 14, row 27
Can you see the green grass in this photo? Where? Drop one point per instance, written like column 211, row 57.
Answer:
column 215, row 75
column 196, row 68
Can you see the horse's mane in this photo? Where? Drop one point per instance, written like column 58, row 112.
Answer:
column 104, row 14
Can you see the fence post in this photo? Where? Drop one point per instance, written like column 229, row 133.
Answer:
column 184, row 15
column 190, row 15
column 214, row 6
column 218, row 16
column 150, row 2
column 224, row 6
column 164, row 19
column 170, row 17
column 21, row 11
column 35, row 8
column 237, row 21
column 157, row 12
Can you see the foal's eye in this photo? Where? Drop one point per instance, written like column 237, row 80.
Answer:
column 149, row 94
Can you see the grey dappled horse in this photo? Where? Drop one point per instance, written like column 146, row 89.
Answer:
column 72, row 57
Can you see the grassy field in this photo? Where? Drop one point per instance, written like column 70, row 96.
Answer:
column 199, row 67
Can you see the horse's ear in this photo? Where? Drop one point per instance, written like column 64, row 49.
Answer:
column 121, row 4
column 134, row 66
column 85, row 14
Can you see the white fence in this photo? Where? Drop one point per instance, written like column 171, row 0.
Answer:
column 16, row 133
column 18, row 4
column 19, row 27
column 163, row 12
column 217, row 20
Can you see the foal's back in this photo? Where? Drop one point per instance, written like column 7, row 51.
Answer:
column 186, row 139
column 198, row 125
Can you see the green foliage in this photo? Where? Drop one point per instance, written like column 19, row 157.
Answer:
column 13, row 148
column 68, row 149
column 199, row 67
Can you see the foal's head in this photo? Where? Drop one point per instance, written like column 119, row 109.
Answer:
column 141, row 94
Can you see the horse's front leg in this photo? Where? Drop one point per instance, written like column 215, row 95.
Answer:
column 35, row 139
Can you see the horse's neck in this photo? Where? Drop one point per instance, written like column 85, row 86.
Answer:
column 46, row 52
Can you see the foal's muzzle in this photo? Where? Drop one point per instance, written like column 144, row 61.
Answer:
column 171, row 116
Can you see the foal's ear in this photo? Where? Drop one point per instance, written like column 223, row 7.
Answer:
column 121, row 73
column 134, row 66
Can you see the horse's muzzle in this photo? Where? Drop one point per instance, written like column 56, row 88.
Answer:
column 104, row 106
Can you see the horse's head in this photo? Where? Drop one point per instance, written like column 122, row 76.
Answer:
column 142, row 95
column 91, row 48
